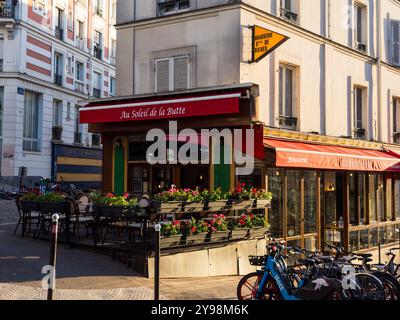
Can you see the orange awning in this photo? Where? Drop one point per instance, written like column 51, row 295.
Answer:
column 306, row 155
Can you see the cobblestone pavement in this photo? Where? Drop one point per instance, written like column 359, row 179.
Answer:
column 17, row 292
column 8, row 211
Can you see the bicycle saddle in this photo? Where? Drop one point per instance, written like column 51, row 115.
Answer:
column 379, row 267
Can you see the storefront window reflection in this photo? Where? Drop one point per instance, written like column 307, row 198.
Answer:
column 310, row 202
column 293, row 203
column 373, row 186
column 275, row 214
column 397, row 199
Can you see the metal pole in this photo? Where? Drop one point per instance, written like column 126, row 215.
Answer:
column 157, row 262
column 380, row 255
column 53, row 255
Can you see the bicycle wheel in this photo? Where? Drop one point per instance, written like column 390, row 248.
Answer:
column 371, row 287
column 249, row 284
column 390, row 284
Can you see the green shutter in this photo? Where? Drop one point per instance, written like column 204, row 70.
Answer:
column 222, row 174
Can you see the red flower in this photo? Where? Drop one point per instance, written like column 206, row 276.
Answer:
column 110, row 195
column 251, row 216
column 213, row 229
column 126, row 195
column 176, row 222
column 242, row 222
column 194, row 229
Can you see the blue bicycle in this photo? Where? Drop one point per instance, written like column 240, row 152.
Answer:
column 278, row 282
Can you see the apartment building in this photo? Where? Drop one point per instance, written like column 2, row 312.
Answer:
column 53, row 54
column 327, row 102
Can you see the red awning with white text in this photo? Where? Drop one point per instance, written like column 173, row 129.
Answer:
column 305, row 155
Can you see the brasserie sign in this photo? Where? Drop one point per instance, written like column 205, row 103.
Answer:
column 167, row 109
column 265, row 41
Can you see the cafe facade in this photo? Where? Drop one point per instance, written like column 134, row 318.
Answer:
column 336, row 190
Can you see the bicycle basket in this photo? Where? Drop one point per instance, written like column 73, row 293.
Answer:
column 258, row 261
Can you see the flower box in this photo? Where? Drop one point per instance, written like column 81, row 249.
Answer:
column 243, row 205
column 193, row 207
column 171, row 241
column 219, row 236
column 53, row 207
column 262, row 204
column 239, row 234
column 168, row 207
column 194, row 239
column 216, row 206
column 29, row 206
column 112, row 211
column 258, row 233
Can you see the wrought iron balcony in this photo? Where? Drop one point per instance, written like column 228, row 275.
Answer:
column 170, row 6
column 78, row 137
column 97, row 93
column 1, row 65
column 288, row 15
column 97, row 51
column 396, row 137
column 79, row 87
column 57, row 133
column 359, row 133
column 96, row 140
column 361, row 47
column 7, row 8
column 287, row 122
column 58, row 79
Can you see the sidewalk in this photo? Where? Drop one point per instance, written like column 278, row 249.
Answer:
column 100, row 277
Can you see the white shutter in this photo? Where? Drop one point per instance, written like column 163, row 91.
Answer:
column 181, row 73
column 162, row 75
column 396, row 42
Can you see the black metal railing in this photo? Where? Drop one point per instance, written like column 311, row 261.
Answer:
column 287, row 122
column 58, row 79
column 1, row 65
column 96, row 93
column 59, row 33
column 95, row 140
column 7, row 8
column 361, row 47
column 359, row 133
column 289, row 15
column 97, row 51
column 57, row 133
column 396, row 137
column 169, row 6
column 78, row 137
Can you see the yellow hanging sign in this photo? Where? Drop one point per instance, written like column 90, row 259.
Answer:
column 265, row 41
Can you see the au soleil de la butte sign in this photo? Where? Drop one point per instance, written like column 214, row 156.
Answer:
column 265, row 41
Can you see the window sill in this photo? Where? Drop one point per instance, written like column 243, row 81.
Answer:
column 37, row 153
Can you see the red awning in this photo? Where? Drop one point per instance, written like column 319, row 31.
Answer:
column 150, row 109
column 306, row 155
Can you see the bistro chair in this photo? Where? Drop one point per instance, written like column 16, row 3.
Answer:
column 29, row 216
column 80, row 217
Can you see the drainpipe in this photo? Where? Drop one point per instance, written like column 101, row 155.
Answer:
column 329, row 18
column 379, row 68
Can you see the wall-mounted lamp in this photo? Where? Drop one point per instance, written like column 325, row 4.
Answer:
column 331, row 187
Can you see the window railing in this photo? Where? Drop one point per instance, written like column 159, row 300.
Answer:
column 78, row 137
column 289, row 15
column 79, row 86
column 59, row 33
column 361, row 47
column 96, row 93
column 57, row 133
column 97, row 51
column 359, row 133
column 396, row 137
column 80, row 43
column 58, row 79
column 7, row 8
column 1, row 65
column 95, row 140
column 98, row 11
column 287, row 122
column 171, row 6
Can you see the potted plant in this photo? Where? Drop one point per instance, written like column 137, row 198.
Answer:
column 263, row 199
column 169, row 201
column 52, row 202
column 193, row 201
column 171, row 235
column 215, row 200
column 219, row 231
column 240, row 228
column 242, row 198
column 260, row 227
column 112, row 205
column 196, row 232
column 29, row 202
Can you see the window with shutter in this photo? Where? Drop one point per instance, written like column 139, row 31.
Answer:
column 396, row 42
column 162, row 75
column 181, row 73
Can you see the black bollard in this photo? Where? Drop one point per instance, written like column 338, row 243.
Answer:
column 157, row 262
column 53, row 255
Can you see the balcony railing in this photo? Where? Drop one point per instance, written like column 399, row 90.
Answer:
column 78, row 137
column 80, row 43
column 57, row 133
column 287, row 122
column 7, row 8
column 359, row 133
column 79, row 87
column 95, row 140
column 1, row 65
column 97, row 93
column 58, row 79
column 97, row 51
column 59, row 33
column 170, row 6
column 396, row 137
column 288, row 15
column 361, row 47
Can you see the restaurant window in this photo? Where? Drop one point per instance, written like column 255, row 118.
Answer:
column 396, row 120
column 293, row 203
column 138, row 147
column 31, row 140
column 254, row 180
column 396, row 198
column 172, row 73
column 373, row 188
column 287, row 118
column 275, row 213
column 359, row 113
column 310, row 202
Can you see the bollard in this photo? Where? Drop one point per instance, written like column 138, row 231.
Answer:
column 53, row 254
column 157, row 262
